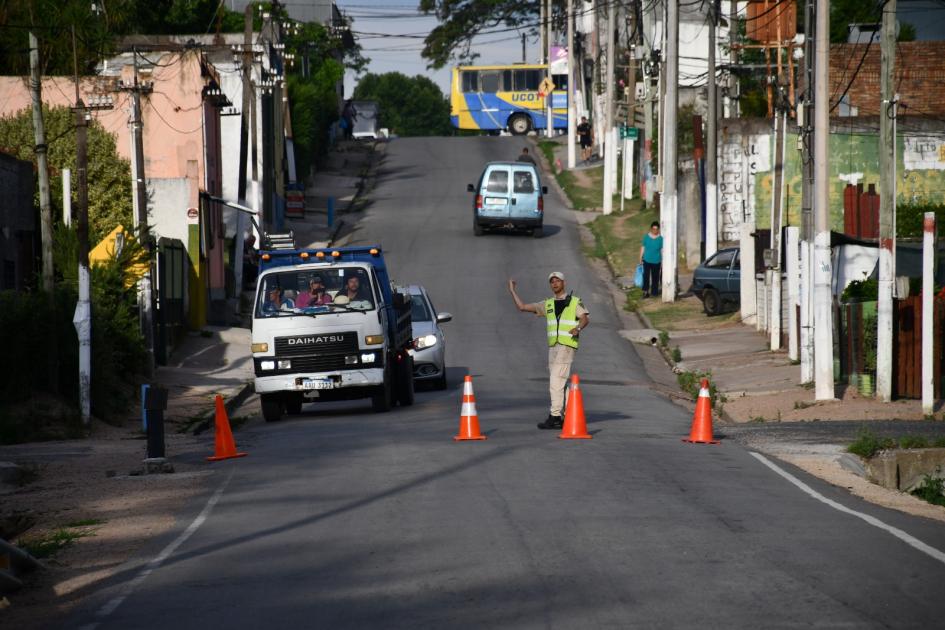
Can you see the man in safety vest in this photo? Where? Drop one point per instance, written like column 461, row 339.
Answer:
column 565, row 318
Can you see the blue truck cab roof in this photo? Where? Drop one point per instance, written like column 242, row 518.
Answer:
column 371, row 254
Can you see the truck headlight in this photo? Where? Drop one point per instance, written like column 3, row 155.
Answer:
column 267, row 365
column 426, row 341
column 367, row 357
column 351, row 359
column 285, row 364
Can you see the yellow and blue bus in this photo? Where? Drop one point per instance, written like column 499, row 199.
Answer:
column 493, row 98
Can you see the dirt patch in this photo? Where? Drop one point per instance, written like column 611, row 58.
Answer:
column 686, row 314
column 799, row 404
column 86, row 485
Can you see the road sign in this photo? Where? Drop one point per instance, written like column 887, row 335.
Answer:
column 546, row 87
column 629, row 133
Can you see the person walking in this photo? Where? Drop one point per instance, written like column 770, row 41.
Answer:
column 526, row 157
column 586, row 138
column 565, row 318
column 651, row 255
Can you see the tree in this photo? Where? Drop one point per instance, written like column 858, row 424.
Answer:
column 409, row 106
column 846, row 12
column 109, row 175
column 462, row 20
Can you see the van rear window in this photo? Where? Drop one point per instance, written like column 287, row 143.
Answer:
column 498, row 182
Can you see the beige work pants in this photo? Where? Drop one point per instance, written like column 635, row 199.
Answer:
column 559, row 369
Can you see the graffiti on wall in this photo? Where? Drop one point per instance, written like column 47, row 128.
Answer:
column 740, row 163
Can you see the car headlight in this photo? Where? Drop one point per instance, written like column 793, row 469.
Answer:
column 267, row 365
column 426, row 341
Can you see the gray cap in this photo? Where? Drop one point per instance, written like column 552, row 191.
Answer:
column 556, row 274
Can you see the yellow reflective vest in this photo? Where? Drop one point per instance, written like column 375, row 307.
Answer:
column 558, row 328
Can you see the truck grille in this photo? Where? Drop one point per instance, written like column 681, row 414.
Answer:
column 321, row 344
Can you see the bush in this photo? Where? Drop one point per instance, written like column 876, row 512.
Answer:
column 909, row 218
column 932, row 489
column 867, row 444
column 39, row 384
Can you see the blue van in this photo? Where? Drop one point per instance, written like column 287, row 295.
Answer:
column 509, row 195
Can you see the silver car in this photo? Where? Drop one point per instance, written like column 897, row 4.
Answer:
column 429, row 342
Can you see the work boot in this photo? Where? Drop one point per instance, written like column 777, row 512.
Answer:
column 552, row 422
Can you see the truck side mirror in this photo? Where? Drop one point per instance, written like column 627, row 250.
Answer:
column 400, row 300
column 544, row 190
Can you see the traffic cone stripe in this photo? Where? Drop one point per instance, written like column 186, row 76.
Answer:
column 468, row 418
column 701, row 431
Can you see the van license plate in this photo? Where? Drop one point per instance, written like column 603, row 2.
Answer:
column 317, row 383
column 495, row 201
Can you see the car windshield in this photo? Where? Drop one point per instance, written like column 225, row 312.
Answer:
column 328, row 290
column 418, row 309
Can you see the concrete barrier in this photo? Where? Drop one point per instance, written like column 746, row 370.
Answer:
column 904, row 469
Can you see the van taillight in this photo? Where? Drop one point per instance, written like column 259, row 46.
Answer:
column 478, row 202
column 541, row 203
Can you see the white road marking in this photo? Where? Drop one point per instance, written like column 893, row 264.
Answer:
column 910, row 540
column 159, row 559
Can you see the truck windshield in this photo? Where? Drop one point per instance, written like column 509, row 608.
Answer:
column 312, row 291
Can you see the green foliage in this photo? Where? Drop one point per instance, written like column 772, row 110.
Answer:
column 314, row 109
column 932, row 489
column 109, row 176
column 691, row 383
column 664, row 340
column 909, row 218
column 409, row 106
column 867, row 444
column 866, row 290
column 844, row 12
column 41, row 547
column 913, row 441
column 677, row 355
column 33, row 327
column 870, row 332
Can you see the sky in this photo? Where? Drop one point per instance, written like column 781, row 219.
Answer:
column 380, row 27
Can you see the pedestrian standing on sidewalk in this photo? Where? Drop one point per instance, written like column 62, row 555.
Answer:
column 651, row 255
column 586, row 138
column 565, row 317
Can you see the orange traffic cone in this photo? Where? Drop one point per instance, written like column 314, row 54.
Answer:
column 575, row 426
column 225, row 447
column 701, row 432
column 468, row 418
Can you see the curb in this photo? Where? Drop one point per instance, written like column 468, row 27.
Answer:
column 230, row 404
column 548, row 169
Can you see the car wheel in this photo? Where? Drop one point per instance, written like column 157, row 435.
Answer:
column 441, row 383
column 293, row 405
column 711, row 301
column 520, row 124
column 271, row 407
column 477, row 229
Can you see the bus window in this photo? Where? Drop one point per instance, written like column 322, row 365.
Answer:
column 489, row 82
column 506, row 80
column 560, row 81
column 470, row 81
column 526, row 80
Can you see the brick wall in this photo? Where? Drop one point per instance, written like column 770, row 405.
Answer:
column 919, row 77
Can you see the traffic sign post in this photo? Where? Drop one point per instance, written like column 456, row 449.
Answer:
column 629, row 133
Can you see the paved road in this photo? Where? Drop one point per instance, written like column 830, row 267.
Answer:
column 341, row 518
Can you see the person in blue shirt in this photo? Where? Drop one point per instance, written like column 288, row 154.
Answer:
column 651, row 255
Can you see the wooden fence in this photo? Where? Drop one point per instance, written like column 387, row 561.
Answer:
column 907, row 348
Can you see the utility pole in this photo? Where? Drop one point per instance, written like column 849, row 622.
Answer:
column 804, row 118
column 668, row 201
column 549, row 111
column 542, row 23
column 822, row 272
column 650, row 70
column 524, row 58
column 39, row 134
column 140, row 198
column 610, row 147
column 711, row 151
column 572, row 111
column 887, row 205
column 82, row 320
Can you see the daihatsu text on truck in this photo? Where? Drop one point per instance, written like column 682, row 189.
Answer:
column 328, row 324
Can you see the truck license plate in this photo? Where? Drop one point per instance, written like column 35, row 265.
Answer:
column 317, row 383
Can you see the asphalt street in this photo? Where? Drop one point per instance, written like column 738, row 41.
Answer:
column 342, row 518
